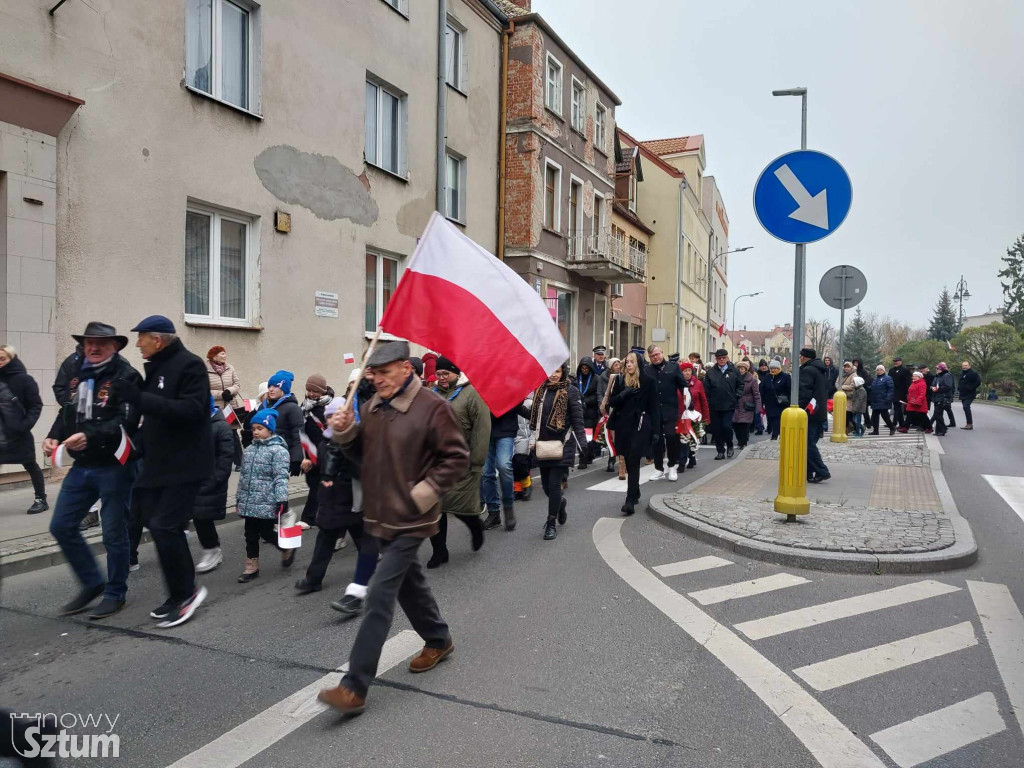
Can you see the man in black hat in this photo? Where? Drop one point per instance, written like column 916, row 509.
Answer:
column 600, row 366
column 93, row 429
column 724, row 388
column 178, row 456
column 901, row 380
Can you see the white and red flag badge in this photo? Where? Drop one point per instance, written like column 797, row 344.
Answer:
column 499, row 315
column 349, row 357
column 125, row 451
column 229, row 414
column 308, row 447
column 59, row 456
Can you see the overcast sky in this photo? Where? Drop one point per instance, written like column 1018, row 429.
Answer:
column 921, row 100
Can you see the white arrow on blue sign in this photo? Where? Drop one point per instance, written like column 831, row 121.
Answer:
column 802, row 196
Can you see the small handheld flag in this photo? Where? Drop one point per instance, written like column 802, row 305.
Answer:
column 349, row 357
column 59, row 455
column 308, row 447
column 229, row 414
column 124, row 449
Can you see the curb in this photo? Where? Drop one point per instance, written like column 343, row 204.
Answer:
column 961, row 555
column 50, row 555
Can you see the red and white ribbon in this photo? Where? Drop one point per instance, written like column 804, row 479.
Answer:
column 308, row 447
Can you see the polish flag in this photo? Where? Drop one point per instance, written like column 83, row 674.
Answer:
column 59, row 456
column 498, row 316
column 229, row 414
column 811, row 406
column 125, row 448
column 349, row 358
column 251, row 405
column 721, row 330
column 308, row 447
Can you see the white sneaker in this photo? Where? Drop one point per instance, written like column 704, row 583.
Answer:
column 672, row 474
column 658, row 475
column 340, row 544
column 303, row 526
column 211, row 559
column 185, row 611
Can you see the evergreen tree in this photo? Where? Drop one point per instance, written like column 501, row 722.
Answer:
column 860, row 342
column 1013, row 288
column 945, row 323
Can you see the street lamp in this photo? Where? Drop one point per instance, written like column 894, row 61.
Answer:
column 711, row 266
column 745, row 295
column 961, row 294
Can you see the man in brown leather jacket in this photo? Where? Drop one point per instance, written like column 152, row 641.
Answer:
column 412, row 453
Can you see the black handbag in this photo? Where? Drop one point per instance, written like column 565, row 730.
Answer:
column 782, row 400
column 748, row 407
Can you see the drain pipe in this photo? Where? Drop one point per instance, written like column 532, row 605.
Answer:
column 442, row 103
column 506, row 35
column 679, row 265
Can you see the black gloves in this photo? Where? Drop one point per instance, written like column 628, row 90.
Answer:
column 295, row 468
column 127, row 392
column 281, row 508
column 225, row 396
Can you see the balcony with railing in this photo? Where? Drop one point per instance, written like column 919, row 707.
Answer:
column 607, row 258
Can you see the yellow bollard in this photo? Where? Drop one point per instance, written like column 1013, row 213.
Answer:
column 792, row 499
column 839, row 417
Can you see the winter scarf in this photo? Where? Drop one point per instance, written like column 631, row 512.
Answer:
column 308, row 405
column 559, row 408
column 219, row 368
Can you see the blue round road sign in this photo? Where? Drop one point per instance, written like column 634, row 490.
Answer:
column 802, row 196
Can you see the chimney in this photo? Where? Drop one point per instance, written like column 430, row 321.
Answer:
column 524, row 4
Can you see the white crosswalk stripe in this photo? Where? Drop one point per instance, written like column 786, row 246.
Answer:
column 691, row 566
column 841, row 609
column 1011, row 489
column 938, row 733
column 852, row 667
column 619, row 486
column 747, row 588
column 1004, row 629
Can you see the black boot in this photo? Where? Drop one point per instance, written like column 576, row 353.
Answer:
column 611, row 464
column 493, row 520
column 550, row 531
column 439, row 558
column 510, row 519
column 692, row 462
column 563, row 516
column 527, row 492
column 476, row 532
column 39, row 505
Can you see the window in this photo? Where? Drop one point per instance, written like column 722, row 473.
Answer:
column 552, row 193
column 562, row 306
column 385, row 128
column 632, row 190
column 222, row 50
column 575, row 216
column 455, row 61
column 578, row 115
column 599, row 128
column 553, row 89
column 402, row 6
column 455, row 188
column 220, row 266
column 382, row 274
column 598, row 223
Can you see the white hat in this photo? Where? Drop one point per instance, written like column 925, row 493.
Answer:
column 356, row 375
column 858, row 381
column 775, row 363
column 263, row 389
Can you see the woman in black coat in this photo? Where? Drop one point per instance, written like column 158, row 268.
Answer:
column 557, row 415
column 212, row 498
column 20, row 406
column 637, row 420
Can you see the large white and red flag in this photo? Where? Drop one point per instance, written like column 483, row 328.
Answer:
column 460, row 301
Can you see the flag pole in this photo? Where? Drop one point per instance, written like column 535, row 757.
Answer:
column 369, row 351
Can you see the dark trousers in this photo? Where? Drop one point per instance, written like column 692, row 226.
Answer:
column 966, row 403
column 551, row 479
column 668, row 442
column 206, row 530
column 721, row 429
column 399, row 577
column 884, row 415
column 36, row 475
column 634, row 460
column 815, row 465
column 742, row 433
column 917, row 419
column 774, row 424
column 113, row 486
column 313, row 499
column 237, row 460
column 439, row 541
column 947, row 410
column 899, row 413
column 166, row 512
column 323, row 551
column 257, row 528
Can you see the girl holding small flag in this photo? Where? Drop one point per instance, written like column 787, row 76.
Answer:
column 289, row 417
column 318, row 397
column 263, row 491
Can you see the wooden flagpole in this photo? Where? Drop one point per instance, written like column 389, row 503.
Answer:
column 369, row 351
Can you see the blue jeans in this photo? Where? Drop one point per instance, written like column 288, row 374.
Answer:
column 499, row 462
column 814, row 463
column 82, row 486
column 858, row 424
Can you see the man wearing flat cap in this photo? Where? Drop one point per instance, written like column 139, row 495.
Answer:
column 90, row 428
column 412, row 453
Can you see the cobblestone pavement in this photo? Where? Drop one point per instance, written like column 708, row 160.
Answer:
column 828, row 527
column 902, row 450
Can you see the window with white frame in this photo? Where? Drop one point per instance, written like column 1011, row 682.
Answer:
column 402, row 6
column 382, row 273
column 600, row 118
column 553, row 85
column 455, row 188
column 220, row 266
column 455, row 59
column 599, row 214
column 385, row 127
column 632, row 188
column 575, row 215
column 578, row 113
column 552, row 195
column 222, row 45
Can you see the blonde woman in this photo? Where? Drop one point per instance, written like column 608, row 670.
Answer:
column 634, row 396
column 20, row 406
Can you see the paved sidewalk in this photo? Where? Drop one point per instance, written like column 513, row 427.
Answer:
column 25, row 540
column 886, row 508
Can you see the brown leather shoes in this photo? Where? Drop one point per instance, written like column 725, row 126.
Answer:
column 429, row 658
column 342, row 699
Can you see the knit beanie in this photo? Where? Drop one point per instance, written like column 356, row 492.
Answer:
column 267, row 417
column 282, row 380
column 262, row 389
column 316, row 383
column 444, row 364
column 212, row 352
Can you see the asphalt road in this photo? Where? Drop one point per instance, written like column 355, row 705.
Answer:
column 559, row 660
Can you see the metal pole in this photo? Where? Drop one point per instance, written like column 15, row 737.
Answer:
column 799, row 287
column 707, row 312
column 442, row 106
column 842, row 314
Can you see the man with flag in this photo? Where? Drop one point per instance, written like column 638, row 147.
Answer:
column 93, row 429
column 814, row 399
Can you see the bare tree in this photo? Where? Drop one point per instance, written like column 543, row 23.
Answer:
column 821, row 336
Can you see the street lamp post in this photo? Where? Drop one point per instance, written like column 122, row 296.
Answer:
column 961, row 294
column 743, row 296
column 707, row 309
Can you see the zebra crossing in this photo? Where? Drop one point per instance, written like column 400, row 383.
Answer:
column 910, row 743
column 935, row 735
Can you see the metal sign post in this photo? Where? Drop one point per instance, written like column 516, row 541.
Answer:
column 843, row 288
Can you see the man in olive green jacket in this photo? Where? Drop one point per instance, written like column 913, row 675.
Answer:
column 474, row 417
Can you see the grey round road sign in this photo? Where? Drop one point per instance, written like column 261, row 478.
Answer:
column 843, row 287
